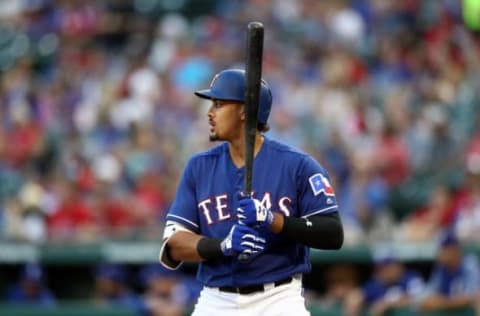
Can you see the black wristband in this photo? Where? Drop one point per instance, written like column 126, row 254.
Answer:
column 209, row 248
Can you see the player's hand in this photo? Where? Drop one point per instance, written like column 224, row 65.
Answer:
column 251, row 212
column 242, row 239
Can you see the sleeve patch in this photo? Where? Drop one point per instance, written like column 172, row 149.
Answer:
column 319, row 183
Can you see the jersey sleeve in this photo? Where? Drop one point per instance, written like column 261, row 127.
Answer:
column 316, row 194
column 184, row 206
column 164, row 257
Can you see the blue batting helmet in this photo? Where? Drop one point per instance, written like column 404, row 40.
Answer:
column 229, row 85
column 448, row 238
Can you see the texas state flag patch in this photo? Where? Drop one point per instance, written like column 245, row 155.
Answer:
column 319, row 184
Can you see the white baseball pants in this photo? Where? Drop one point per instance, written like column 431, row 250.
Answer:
column 282, row 300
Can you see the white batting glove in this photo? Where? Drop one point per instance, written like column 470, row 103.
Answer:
column 242, row 239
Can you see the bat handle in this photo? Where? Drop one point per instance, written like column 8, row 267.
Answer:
column 244, row 257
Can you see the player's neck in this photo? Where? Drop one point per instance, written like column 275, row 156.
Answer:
column 237, row 149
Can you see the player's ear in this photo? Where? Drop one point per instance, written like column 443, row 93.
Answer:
column 242, row 113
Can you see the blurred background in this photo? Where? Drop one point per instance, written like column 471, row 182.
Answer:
column 98, row 117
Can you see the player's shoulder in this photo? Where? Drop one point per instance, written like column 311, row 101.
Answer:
column 209, row 154
column 284, row 149
column 292, row 154
column 212, row 152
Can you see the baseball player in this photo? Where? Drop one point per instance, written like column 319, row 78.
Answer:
column 292, row 208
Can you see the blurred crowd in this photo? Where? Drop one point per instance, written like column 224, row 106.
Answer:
column 98, row 115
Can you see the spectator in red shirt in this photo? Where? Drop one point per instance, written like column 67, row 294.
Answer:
column 24, row 137
column 468, row 218
column 390, row 155
column 148, row 195
column 115, row 215
column 428, row 221
column 74, row 219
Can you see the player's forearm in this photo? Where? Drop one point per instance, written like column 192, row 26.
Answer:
column 319, row 231
column 441, row 302
column 183, row 247
column 403, row 301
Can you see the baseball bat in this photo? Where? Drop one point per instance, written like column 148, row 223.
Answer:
column 253, row 74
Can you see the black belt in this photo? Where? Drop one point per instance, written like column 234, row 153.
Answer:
column 249, row 289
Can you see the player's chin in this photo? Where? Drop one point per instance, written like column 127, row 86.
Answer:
column 213, row 137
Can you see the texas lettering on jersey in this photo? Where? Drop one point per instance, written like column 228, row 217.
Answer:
column 218, row 208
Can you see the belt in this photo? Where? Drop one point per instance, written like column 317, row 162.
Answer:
column 249, row 289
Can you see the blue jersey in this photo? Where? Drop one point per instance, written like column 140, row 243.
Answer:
column 284, row 179
column 465, row 280
column 410, row 284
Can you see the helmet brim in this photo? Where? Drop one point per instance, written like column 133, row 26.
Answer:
column 209, row 95
column 204, row 94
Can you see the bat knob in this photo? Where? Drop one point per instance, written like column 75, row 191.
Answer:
column 244, row 257
column 255, row 25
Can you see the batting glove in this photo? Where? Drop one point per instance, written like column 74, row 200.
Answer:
column 242, row 239
column 252, row 213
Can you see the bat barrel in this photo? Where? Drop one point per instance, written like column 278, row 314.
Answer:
column 253, row 73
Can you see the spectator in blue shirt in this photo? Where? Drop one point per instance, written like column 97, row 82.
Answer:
column 391, row 286
column 112, row 288
column 31, row 288
column 455, row 280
